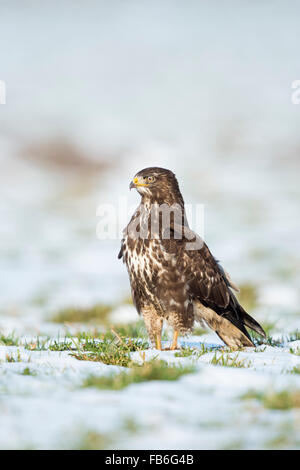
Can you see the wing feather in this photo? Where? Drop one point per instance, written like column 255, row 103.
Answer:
column 206, row 279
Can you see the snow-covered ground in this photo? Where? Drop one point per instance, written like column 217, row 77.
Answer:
column 201, row 410
column 204, row 91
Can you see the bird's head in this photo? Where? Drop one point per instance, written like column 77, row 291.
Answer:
column 157, row 184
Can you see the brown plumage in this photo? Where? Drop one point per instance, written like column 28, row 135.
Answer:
column 170, row 281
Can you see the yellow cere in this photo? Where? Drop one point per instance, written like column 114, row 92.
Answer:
column 137, row 183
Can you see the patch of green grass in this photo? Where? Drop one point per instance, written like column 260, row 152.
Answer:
column 296, row 352
column 226, row 360
column 114, row 351
column 295, row 370
column 268, row 341
column 276, row 343
column 38, row 345
column 154, row 370
column 259, row 348
column 9, row 340
column 28, row 371
column 98, row 313
column 185, row 352
column 284, row 400
column 269, row 327
column 132, row 330
column 44, row 344
column 116, row 341
column 64, row 345
column 116, row 358
column 294, row 336
column 95, row 333
column 195, row 352
column 13, row 357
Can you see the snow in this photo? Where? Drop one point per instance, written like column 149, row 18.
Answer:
column 232, row 138
column 123, row 314
column 203, row 409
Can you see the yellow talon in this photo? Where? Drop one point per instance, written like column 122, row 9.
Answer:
column 174, row 342
column 158, row 342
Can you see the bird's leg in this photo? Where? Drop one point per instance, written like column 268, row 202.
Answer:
column 174, row 342
column 158, row 342
column 154, row 324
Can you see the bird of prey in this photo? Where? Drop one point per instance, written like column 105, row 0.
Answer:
column 173, row 275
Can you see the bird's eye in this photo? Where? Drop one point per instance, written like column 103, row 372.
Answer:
column 151, row 179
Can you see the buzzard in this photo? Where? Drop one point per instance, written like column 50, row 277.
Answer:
column 173, row 275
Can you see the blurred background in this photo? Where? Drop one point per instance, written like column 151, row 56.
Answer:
column 96, row 91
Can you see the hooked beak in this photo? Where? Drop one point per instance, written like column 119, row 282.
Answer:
column 135, row 183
